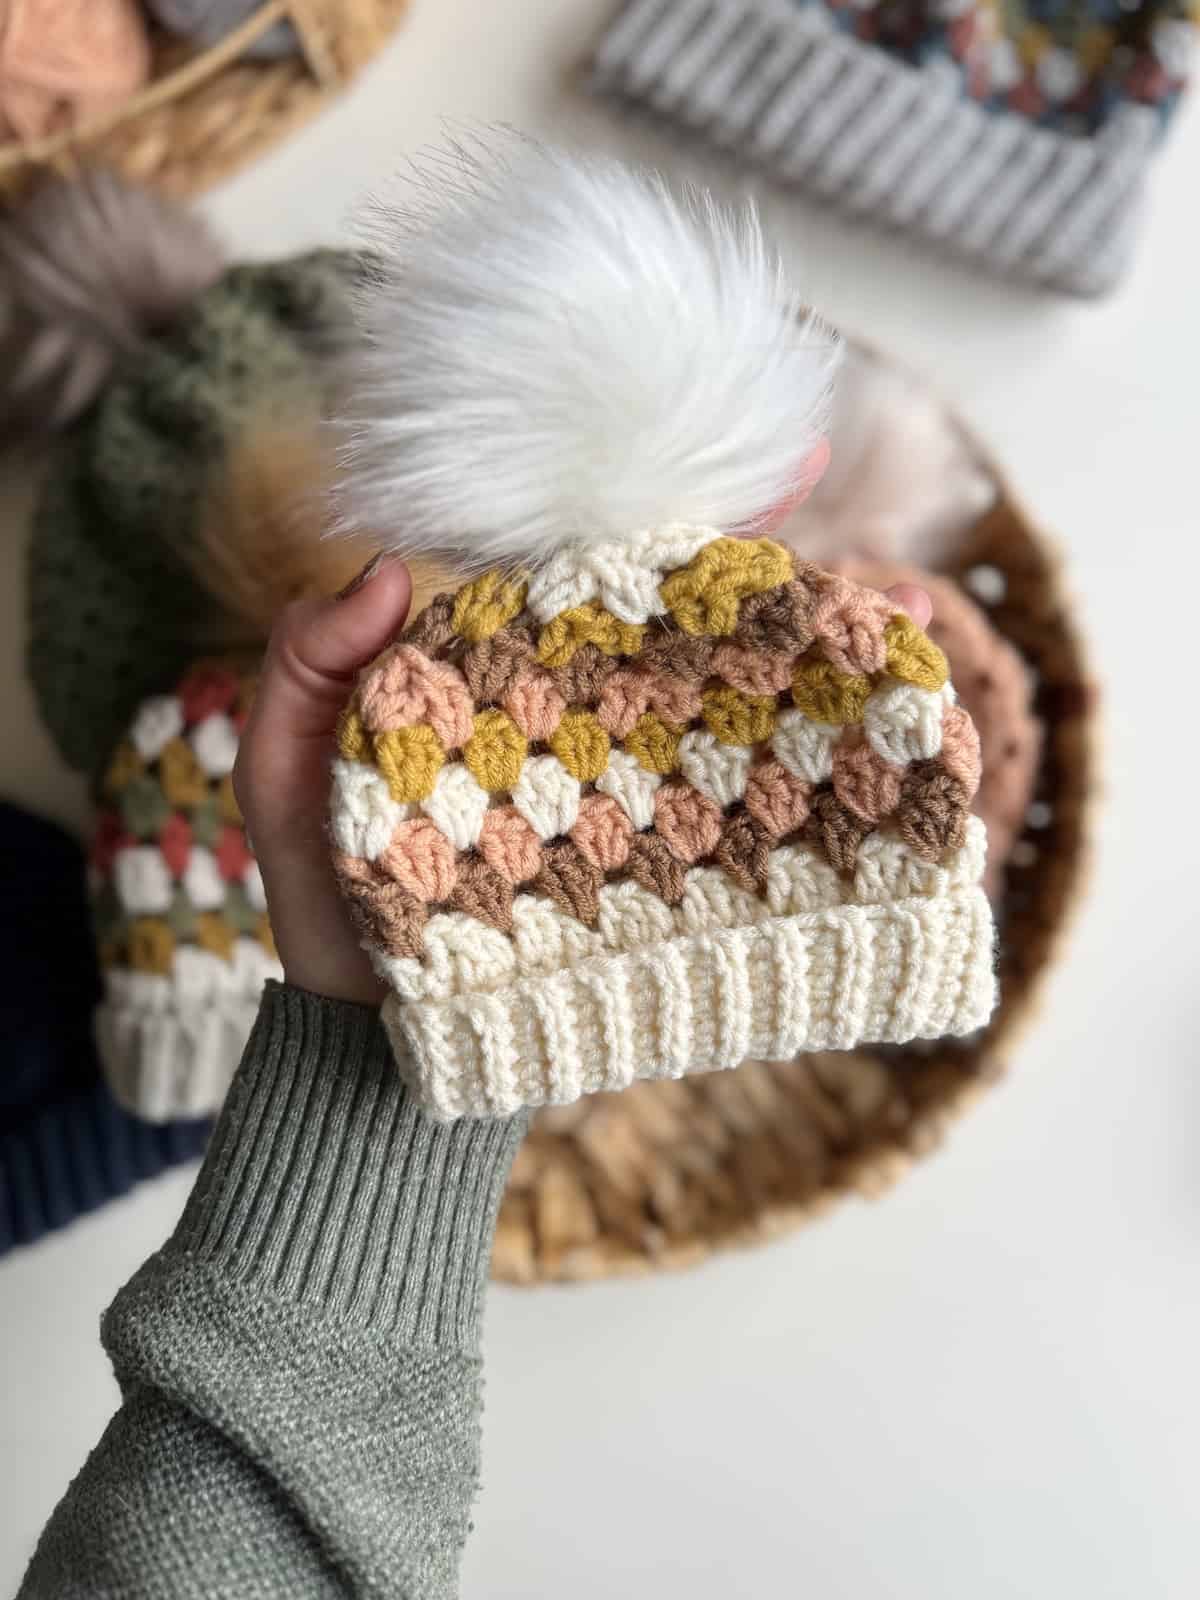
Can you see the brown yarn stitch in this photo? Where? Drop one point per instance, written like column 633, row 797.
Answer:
column 581, row 679
column 835, row 830
column 432, row 628
column 682, row 655
column 570, row 880
column 933, row 810
column 744, row 852
column 652, row 865
column 492, row 667
column 481, row 892
column 780, row 619
column 380, row 908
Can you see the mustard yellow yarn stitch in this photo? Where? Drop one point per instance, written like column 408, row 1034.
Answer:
column 483, row 607
column 913, row 656
column 495, row 752
column 827, row 695
column 587, row 624
column 353, row 740
column 655, row 743
column 410, row 759
column 736, row 718
column 581, row 744
column 704, row 596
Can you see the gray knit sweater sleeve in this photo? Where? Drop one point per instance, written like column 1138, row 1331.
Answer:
column 300, row 1364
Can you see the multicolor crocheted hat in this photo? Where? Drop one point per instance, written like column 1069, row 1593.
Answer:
column 635, row 820
column 180, row 913
column 631, row 803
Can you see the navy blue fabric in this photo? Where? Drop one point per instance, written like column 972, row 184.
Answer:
column 66, row 1147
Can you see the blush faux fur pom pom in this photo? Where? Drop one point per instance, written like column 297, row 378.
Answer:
column 557, row 351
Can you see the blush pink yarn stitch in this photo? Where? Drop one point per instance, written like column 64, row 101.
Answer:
column 864, row 782
column 687, row 820
column 407, row 687
column 776, row 798
column 509, row 845
column 623, row 699
column 752, row 670
column 421, row 859
column 535, row 704
column 962, row 755
column 673, row 698
column 849, row 622
column 603, row 831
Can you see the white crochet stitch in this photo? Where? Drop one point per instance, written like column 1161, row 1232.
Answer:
column 546, row 938
column 363, row 815
column 202, row 881
column 458, row 805
column 904, row 723
column 623, row 575
column 215, row 742
column 199, row 976
column 804, row 747
column 718, row 770
column 631, row 786
column 547, row 796
column 143, row 880
column 159, row 720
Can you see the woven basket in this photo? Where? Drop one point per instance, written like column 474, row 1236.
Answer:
column 664, row 1173
column 205, row 113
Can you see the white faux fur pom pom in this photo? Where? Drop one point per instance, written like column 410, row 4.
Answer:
column 557, row 352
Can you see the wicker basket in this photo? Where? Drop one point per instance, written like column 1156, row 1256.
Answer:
column 204, row 114
column 667, row 1172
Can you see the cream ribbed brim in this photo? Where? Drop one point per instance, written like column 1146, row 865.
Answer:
column 162, row 1065
column 825, row 980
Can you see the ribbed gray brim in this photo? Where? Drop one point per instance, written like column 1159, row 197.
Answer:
column 769, row 82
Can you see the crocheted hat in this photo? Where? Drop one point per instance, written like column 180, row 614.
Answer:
column 641, row 798
column 178, row 903
column 691, row 803
column 1019, row 136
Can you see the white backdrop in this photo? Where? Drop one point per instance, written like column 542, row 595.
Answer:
column 984, row 1386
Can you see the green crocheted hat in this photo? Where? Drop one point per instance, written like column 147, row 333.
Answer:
column 116, row 609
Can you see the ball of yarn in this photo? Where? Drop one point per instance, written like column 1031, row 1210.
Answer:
column 63, row 62
column 205, row 22
column 994, row 686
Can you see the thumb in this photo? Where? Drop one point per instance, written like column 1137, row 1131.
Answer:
column 318, row 646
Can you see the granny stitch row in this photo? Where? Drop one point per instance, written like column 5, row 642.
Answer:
column 665, row 805
column 180, row 912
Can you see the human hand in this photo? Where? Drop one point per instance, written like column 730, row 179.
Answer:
column 282, row 775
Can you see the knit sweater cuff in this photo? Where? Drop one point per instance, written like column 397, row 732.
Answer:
column 324, row 1185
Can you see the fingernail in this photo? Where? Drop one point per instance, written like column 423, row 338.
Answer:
column 365, row 576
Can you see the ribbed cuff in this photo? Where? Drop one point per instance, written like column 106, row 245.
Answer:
column 918, row 968
column 324, row 1185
